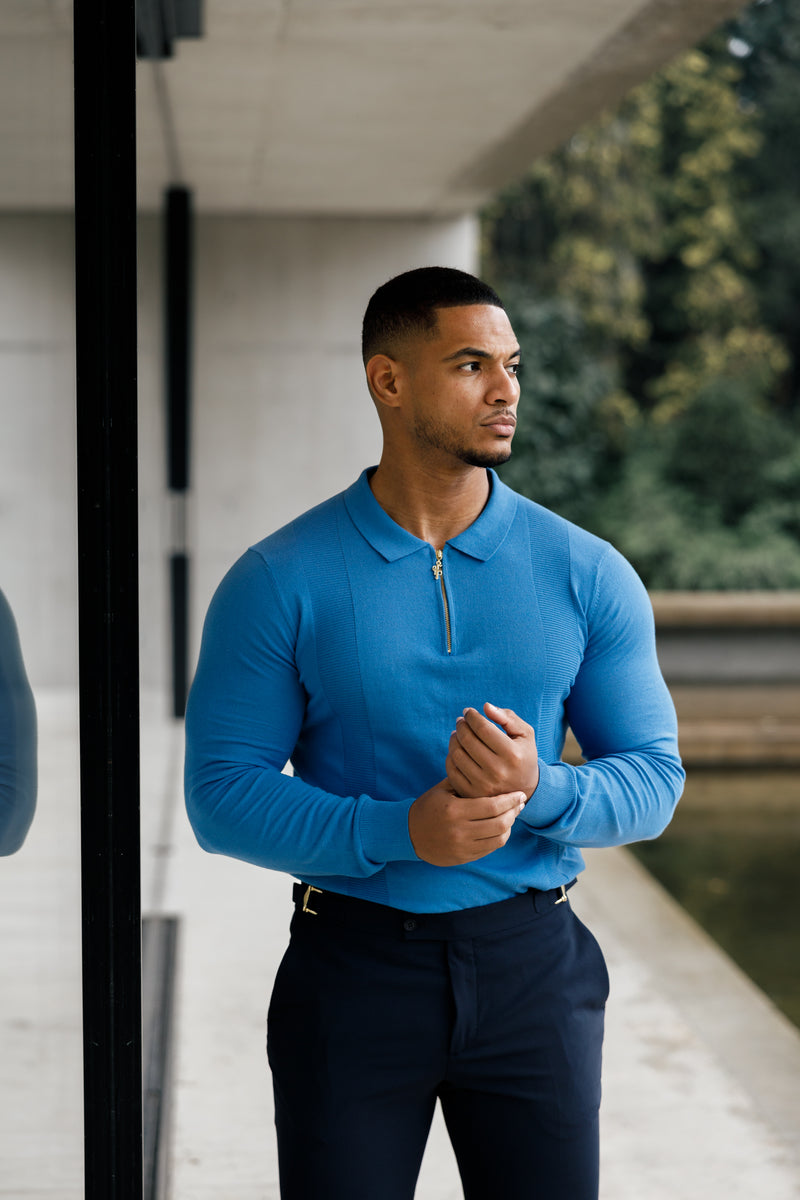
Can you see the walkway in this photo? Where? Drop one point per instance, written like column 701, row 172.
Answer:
column 702, row 1076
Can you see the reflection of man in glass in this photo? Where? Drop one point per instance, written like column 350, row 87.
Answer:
column 17, row 738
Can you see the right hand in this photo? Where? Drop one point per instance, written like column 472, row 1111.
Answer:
column 448, row 830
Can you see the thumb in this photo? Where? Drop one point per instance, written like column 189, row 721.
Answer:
column 508, row 719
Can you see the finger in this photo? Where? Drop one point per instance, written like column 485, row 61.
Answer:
column 461, row 740
column 484, row 744
column 513, row 724
column 496, row 827
column 472, row 747
column 463, row 785
column 461, row 758
column 487, row 808
column 485, row 731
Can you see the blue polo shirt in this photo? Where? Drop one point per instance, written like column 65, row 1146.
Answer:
column 341, row 645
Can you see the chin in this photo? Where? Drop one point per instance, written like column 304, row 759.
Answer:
column 488, row 458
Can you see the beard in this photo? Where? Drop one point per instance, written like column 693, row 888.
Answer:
column 435, row 435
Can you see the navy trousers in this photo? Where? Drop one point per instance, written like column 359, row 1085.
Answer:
column 496, row 1011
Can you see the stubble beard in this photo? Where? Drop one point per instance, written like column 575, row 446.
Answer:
column 434, row 435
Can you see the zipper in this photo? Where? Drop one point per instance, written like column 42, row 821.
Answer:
column 438, row 574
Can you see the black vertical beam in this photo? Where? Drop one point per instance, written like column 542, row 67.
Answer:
column 179, row 606
column 178, row 244
column 105, row 292
column 178, row 308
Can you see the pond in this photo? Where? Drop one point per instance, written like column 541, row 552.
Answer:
column 735, row 870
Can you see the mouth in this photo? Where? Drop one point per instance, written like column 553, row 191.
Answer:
column 503, row 426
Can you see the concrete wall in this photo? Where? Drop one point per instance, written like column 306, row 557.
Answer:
column 38, row 543
column 282, row 417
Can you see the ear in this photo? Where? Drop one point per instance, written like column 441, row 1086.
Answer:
column 383, row 377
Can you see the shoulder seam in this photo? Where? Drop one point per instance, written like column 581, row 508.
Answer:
column 273, row 586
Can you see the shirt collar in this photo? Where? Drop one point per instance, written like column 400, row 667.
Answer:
column 479, row 540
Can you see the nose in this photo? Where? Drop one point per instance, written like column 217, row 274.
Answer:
column 503, row 388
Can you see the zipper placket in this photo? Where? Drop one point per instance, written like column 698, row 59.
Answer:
column 438, row 574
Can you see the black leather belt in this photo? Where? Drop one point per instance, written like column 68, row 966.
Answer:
column 332, row 908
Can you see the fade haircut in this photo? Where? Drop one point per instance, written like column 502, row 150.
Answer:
column 407, row 305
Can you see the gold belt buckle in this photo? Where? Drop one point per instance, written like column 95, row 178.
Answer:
column 306, row 898
column 563, row 895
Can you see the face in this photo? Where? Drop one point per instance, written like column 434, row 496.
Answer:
column 461, row 390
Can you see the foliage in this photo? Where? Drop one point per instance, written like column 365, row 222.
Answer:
column 713, row 501
column 769, row 35
column 562, row 442
column 652, row 266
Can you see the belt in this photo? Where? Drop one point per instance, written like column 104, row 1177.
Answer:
column 348, row 912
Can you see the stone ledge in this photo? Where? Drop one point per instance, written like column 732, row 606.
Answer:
column 727, row 743
column 732, row 725
column 728, row 610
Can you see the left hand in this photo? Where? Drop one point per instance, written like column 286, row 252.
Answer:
column 484, row 760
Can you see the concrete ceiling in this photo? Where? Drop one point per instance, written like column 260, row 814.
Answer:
column 337, row 107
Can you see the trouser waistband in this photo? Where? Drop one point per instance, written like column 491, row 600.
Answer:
column 332, row 908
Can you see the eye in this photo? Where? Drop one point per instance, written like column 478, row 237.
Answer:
column 470, row 367
column 514, row 369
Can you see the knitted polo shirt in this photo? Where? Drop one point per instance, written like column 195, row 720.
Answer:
column 344, row 644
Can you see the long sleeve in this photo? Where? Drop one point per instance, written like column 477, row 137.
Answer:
column 623, row 718
column 244, row 717
column 18, row 777
column 331, row 644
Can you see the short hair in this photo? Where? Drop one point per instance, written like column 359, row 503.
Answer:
column 407, row 305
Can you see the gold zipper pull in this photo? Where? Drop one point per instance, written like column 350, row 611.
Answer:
column 438, row 575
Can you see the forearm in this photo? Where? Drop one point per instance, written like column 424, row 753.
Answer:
column 244, row 716
column 611, row 801
column 622, row 715
column 273, row 820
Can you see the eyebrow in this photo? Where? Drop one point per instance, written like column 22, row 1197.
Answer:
column 473, row 352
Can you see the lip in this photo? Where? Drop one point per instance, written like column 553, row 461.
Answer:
column 502, row 425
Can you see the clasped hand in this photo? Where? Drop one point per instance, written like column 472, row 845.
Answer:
column 489, row 756
column 492, row 770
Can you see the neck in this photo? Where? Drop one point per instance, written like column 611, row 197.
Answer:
column 434, row 505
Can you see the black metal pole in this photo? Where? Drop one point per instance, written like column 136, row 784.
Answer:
column 178, row 275
column 178, row 333
column 105, row 292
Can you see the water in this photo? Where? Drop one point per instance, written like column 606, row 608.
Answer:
column 735, row 870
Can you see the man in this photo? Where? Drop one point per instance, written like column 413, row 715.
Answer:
column 417, row 646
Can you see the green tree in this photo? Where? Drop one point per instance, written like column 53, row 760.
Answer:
column 766, row 38
column 638, row 221
column 655, row 306
column 572, row 423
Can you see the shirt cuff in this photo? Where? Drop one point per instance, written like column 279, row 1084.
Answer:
column 553, row 798
column 383, row 827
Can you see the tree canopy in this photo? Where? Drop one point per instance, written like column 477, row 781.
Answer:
column 651, row 268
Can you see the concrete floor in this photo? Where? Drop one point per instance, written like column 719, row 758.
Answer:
column 702, row 1075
